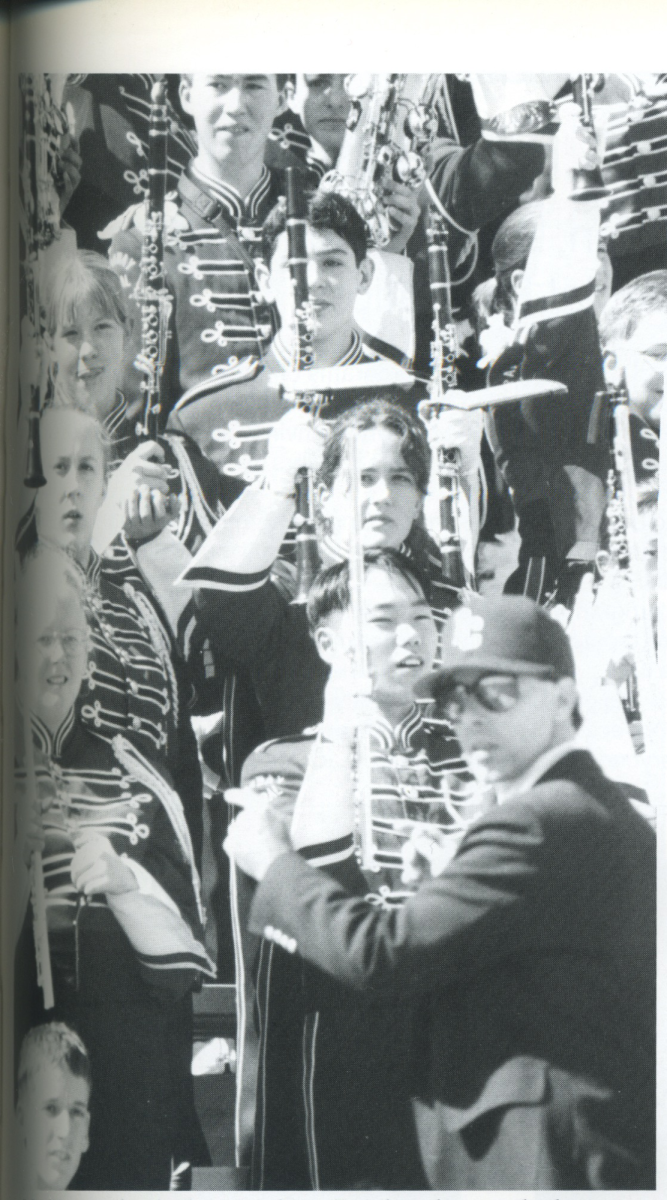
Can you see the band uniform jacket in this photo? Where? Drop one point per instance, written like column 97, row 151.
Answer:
column 230, row 415
column 531, row 962
column 352, row 1123
column 124, row 966
column 212, row 236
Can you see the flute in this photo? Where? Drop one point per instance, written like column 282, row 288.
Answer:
column 363, row 783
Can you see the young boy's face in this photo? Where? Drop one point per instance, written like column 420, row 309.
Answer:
column 54, row 645
column 88, row 355
column 400, row 634
column 232, row 114
column 640, row 363
column 324, row 106
column 334, row 282
column 54, row 1117
column 73, row 461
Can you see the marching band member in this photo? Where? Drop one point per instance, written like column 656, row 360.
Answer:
column 554, row 472
column 225, row 416
column 528, row 956
column 633, row 333
column 135, row 684
column 52, row 1107
column 213, row 233
column 88, row 328
column 351, row 1126
column 246, row 588
column 122, row 900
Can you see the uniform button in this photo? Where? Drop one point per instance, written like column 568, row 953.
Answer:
column 136, row 723
column 134, row 687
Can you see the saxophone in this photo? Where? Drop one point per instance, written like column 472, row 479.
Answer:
column 390, row 127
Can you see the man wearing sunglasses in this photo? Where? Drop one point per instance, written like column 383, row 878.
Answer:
column 531, row 957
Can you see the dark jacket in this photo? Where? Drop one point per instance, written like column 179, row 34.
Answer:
column 531, row 961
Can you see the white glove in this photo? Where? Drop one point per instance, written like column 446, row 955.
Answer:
column 574, row 149
column 293, row 443
column 462, row 431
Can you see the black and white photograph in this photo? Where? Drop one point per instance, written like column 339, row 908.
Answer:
column 338, row 738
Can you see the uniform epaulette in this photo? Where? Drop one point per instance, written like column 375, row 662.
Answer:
column 223, row 376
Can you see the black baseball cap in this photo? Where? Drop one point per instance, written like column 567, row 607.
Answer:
column 501, row 634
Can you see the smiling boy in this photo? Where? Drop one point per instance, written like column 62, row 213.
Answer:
column 212, row 233
column 351, row 1126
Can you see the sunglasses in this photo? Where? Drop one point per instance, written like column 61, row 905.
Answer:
column 495, row 693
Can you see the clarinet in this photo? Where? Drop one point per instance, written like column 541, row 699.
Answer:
column 307, row 556
column 151, row 292
column 626, row 554
column 587, row 184
column 445, row 468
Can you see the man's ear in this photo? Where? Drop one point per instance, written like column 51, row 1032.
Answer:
column 285, row 95
column 612, row 368
column 568, row 695
column 366, row 272
column 184, row 89
column 263, row 277
column 325, row 643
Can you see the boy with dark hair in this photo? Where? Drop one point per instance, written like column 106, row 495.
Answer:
column 52, row 1107
column 351, row 1125
column 230, row 414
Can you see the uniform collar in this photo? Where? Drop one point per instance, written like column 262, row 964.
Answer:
column 332, row 552
column 283, row 351
column 398, row 737
column 235, row 205
column 518, row 787
column 52, row 744
column 92, row 571
column 117, row 415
